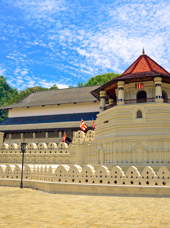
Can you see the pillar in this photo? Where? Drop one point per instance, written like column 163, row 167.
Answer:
column 10, row 136
column 79, row 154
column 33, row 135
column 158, row 89
column 1, row 137
column 111, row 101
column 60, row 134
column 22, row 136
column 102, row 100
column 120, row 100
column 46, row 134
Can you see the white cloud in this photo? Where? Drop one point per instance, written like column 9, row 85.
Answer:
column 24, row 72
column 2, row 71
column 78, row 43
column 61, row 86
column 38, row 9
column 46, row 84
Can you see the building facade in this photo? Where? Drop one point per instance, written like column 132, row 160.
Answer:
column 131, row 135
column 44, row 116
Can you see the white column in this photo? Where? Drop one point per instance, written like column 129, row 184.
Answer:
column 110, row 101
column 22, row 135
column 60, row 134
column 46, row 134
column 120, row 100
column 33, row 135
column 10, row 136
column 102, row 100
column 1, row 137
column 158, row 89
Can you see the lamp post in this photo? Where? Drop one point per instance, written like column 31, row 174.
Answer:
column 23, row 150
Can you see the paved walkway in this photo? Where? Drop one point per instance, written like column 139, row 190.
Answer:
column 31, row 208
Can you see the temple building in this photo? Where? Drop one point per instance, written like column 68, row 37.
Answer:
column 45, row 115
column 129, row 147
column 132, row 124
column 134, row 127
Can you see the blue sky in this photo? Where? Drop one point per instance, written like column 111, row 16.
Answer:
column 63, row 42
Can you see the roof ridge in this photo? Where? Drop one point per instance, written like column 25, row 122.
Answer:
column 20, row 100
column 149, row 65
column 63, row 89
column 136, row 61
column 157, row 64
column 135, row 64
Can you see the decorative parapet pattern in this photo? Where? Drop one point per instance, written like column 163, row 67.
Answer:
column 40, row 153
column 88, row 174
column 80, row 136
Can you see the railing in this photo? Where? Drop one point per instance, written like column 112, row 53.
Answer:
column 110, row 106
column 141, row 100
column 134, row 101
column 167, row 100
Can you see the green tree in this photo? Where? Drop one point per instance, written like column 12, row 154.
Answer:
column 25, row 93
column 6, row 92
column 101, row 79
column 80, row 84
column 53, row 87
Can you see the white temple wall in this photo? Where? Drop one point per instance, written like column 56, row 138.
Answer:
column 131, row 92
column 122, row 122
column 149, row 87
column 127, row 152
column 88, row 179
column 86, row 150
column 55, row 109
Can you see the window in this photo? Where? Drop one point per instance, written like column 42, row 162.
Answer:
column 139, row 114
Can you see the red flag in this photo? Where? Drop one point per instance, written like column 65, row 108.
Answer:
column 64, row 137
column 139, row 86
column 93, row 125
column 83, row 126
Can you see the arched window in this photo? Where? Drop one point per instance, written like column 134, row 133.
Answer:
column 141, row 97
column 164, row 95
column 139, row 114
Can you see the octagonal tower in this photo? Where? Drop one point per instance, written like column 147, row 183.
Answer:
column 133, row 125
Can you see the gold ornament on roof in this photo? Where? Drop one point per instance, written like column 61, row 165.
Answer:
column 143, row 51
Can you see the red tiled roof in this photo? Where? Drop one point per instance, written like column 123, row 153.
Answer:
column 142, row 69
column 143, row 66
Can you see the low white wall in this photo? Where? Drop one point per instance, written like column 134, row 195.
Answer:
column 55, row 109
column 89, row 188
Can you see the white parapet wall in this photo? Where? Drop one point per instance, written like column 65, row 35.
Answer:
column 87, row 179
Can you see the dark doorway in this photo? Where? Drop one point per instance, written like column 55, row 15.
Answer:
column 141, row 97
column 164, row 96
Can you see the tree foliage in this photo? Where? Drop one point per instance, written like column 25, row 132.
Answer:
column 6, row 92
column 80, row 84
column 10, row 96
column 53, row 87
column 101, row 79
column 26, row 92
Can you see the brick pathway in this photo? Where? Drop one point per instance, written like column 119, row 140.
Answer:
column 31, row 208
